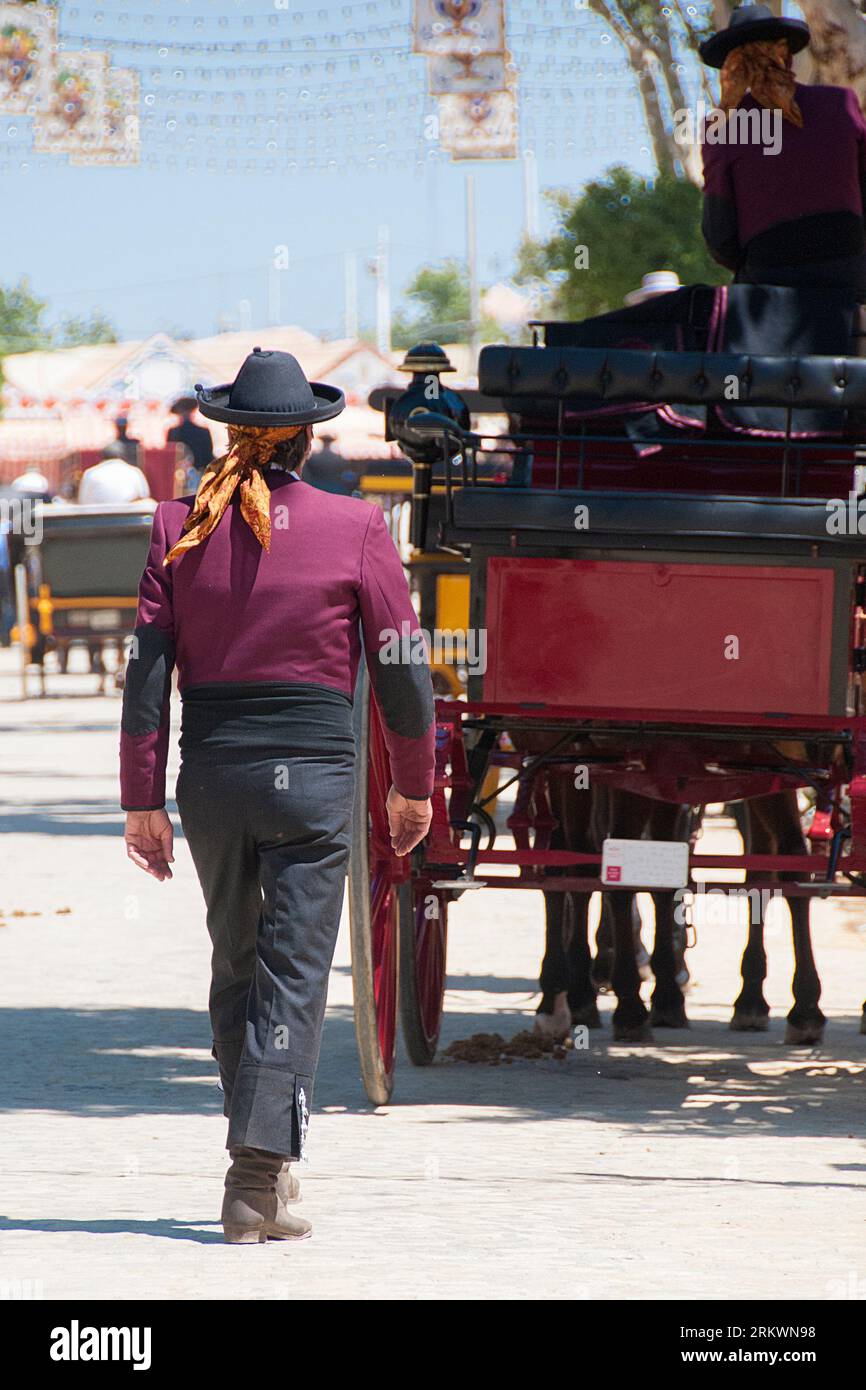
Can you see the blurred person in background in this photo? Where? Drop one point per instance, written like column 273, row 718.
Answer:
column 112, row 480
column 329, row 471
column 195, row 438
column 32, row 483
column 129, row 447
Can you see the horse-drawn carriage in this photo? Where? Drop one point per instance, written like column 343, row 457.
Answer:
column 77, row 584
column 674, row 609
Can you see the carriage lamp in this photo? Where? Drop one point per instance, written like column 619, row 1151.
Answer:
column 424, row 395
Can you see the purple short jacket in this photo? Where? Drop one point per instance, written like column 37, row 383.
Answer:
column 227, row 611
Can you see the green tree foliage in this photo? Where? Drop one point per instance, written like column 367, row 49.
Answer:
column 21, row 327
column 77, row 331
column 439, row 299
column 611, row 235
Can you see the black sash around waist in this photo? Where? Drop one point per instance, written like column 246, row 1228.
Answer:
column 268, row 716
column 823, row 236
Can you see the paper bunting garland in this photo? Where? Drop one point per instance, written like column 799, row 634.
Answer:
column 71, row 117
column 459, row 26
column 470, row 72
column 28, row 39
column 121, row 136
column 467, row 75
column 81, row 106
column 479, row 127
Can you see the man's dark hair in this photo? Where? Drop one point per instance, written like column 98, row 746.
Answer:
column 292, row 453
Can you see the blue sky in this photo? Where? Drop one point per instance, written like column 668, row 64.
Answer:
column 177, row 246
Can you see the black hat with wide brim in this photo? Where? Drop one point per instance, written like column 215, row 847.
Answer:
column 753, row 24
column 271, row 391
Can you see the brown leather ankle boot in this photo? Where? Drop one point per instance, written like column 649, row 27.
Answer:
column 252, row 1211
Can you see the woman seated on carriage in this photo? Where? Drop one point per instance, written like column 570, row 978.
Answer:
column 788, row 210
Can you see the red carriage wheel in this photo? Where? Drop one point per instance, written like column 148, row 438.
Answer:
column 423, row 919
column 374, row 874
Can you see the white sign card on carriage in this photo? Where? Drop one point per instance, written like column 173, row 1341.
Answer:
column 645, row 863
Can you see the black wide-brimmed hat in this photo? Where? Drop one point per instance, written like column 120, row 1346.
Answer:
column 753, row 24
column 271, row 390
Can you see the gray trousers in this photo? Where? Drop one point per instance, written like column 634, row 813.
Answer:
column 269, row 837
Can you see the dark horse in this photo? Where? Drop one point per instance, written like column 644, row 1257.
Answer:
column 569, row 979
column 771, row 825
column 569, row 983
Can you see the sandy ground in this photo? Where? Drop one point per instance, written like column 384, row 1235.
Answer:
column 710, row 1165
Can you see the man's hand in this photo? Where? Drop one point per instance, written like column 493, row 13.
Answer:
column 408, row 820
column 149, row 842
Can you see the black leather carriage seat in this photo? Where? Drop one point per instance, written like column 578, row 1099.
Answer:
column 618, row 376
column 538, row 515
column 615, row 376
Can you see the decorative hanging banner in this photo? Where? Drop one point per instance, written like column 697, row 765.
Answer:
column 121, row 141
column 473, row 27
column 466, row 75
column 72, row 119
column 28, row 38
column 479, row 127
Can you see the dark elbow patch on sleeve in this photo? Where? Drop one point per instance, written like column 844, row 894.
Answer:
column 404, row 692
column 148, row 680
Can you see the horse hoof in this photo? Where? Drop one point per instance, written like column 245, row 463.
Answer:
column 797, row 1034
column 586, row 1016
column 633, row 1032
column 556, row 1025
column 749, row 1021
column 668, row 1018
column 600, row 972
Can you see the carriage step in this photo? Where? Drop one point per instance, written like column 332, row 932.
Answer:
column 458, row 885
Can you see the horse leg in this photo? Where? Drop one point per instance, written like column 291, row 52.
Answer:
column 751, row 1010
column 668, row 1008
column 628, row 814
column 567, row 993
column 552, row 1017
column 581, row 990
column 668, row 1005
column 602, row 966
column 774, row 828
column 805, row 1021
column 630, row 1017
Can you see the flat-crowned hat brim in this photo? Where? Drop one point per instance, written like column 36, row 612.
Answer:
column 715, row 49
column 214, row 403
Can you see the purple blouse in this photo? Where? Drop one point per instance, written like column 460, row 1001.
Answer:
column 818, row 169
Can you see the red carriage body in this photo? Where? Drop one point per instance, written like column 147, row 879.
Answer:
column 686, row 624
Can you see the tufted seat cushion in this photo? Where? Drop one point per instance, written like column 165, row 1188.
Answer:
column 618, row 375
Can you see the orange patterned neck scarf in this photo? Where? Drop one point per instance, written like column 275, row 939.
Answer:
column 764, row 69
column 250, row 452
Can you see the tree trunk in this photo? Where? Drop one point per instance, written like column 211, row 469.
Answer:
column 837, row 54
column 643, row 61
column 665, row 151
column 689, row 155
